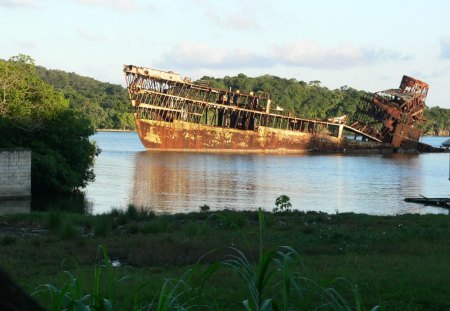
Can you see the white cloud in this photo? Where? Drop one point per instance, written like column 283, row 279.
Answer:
column 311, row 54
column 440, row 72
column 300, row 54
column 119, row 5
column 27, row 45
column 91, row 36
column 445, row 47
column 190, row 55
column 19, row 3
column 235, row 19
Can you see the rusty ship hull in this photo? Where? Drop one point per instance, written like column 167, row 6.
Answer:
column 175, row 114
column 188, row 137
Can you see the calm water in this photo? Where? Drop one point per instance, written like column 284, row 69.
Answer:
column 181, row 182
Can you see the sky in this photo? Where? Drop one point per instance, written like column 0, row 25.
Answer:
column 367, row 45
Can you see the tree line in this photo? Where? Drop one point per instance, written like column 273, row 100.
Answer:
column 438, row 121
column 105, row 104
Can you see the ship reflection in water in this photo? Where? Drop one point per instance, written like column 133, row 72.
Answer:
column 181, row 182
column 373, row 184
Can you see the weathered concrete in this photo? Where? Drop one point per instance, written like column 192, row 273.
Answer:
column 15, row 173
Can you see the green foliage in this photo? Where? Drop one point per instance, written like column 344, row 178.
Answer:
column 103, row 226
column 186, row 292
column 105, row 105
column 156, row 225
column 204, row 208
column 438, row 121
column 34, row 116
column 283, row 204
column 276, row 282
column 26, row 101
column 53, row 220
column 73, row 295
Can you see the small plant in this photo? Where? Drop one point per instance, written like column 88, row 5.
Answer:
column 283, row 204
column 73, row 296
column 187, row 292
column 259, row 279
column 132, row 212
column 204, row 208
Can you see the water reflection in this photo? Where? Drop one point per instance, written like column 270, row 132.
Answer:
column 373, row 184
column 180, row 182
column 15, row 206
column 73, row 202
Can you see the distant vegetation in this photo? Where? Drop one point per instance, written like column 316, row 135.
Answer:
column 105, row 104
column 438, row 121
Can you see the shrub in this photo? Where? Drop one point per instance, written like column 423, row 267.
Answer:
column 283, row 204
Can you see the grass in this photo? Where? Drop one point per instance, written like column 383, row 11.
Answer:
column 398, row 263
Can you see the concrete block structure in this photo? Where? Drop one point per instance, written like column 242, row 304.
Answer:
column 15, row 173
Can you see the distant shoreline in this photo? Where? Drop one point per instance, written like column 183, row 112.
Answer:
column 114, row 130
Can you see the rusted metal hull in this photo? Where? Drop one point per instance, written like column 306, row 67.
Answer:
column 185, row 136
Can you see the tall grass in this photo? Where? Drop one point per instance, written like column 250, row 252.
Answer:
column 276, row 280
column 75, row 295
column 187, row 292
column 271, row 264
column 276, row 284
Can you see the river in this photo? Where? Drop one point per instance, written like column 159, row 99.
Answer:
column 172, row 182
column 182, row 182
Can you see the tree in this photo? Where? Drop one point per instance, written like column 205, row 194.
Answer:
column 283, row 204
column 103, row 103
column 438, row 121
column 26, row 100
column 34, row 116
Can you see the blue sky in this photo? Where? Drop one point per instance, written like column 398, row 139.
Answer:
column 367, row 45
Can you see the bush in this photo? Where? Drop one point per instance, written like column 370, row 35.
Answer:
column 283, row 204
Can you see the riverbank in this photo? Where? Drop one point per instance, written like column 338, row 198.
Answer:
column 397, row 262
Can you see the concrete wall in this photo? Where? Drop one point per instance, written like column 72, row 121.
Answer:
column 15, row 173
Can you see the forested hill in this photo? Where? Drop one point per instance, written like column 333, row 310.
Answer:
column 438, row 121
column 105, row 104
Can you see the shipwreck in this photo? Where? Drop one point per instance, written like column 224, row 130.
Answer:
column 174, row 113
